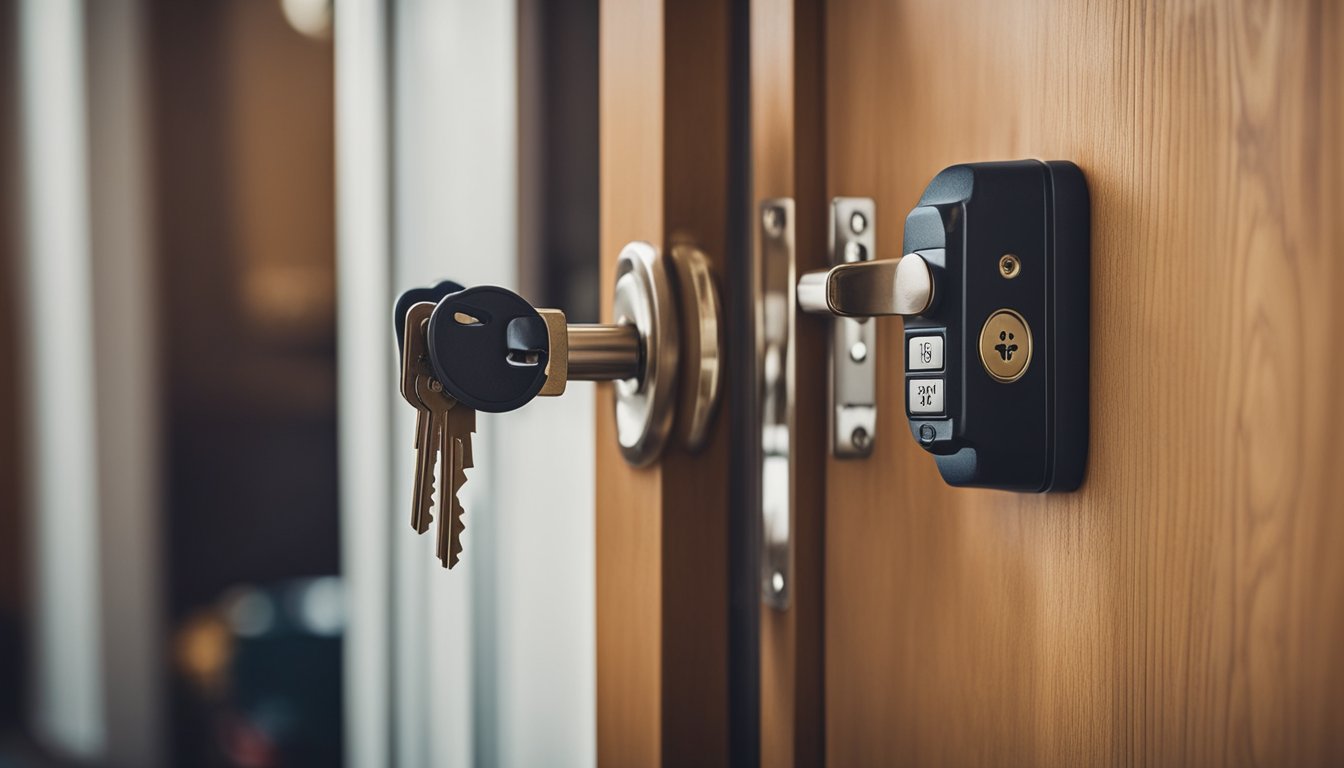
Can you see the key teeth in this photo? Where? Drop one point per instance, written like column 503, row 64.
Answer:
column 428, row 503
column 456, row 526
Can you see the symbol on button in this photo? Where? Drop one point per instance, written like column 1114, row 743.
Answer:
column 925, row 353
column 926, row 396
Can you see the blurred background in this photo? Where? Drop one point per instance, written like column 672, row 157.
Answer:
column 208, row 208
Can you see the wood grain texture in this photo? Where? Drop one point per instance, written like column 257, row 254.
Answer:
column 1186, row 607
column 788, row 152
column 662, row 532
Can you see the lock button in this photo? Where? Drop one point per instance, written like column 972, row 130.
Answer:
column 926, row 396
column 924, row 353
column 1005, row 346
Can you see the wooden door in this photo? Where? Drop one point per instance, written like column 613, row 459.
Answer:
column 1186, row 606
column 662, row 532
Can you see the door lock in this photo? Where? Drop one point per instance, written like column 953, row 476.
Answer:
column 994, row 289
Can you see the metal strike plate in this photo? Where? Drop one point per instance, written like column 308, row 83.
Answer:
column 853, row 366
column 775, row 315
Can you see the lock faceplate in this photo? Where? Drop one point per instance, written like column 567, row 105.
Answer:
column 1008, row 408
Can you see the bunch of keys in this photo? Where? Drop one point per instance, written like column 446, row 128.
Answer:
column 461, row 351
column 443, row 430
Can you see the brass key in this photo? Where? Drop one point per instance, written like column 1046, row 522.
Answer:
column 415, row 368
column 451, row 424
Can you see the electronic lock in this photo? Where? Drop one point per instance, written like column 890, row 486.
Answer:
column 994, row 289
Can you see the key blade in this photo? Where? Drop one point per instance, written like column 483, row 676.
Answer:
column 448, row 506
column 414, row 377
column 464, row 423
column 423, row 492
column 438, row 405
column 461, row 422
column 456, row 526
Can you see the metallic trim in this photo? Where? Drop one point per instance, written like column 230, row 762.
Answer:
column 702, row 345
column 644, row 405
column 776, row 302
column 603, row 352
column 557, row 363
column 854, row 351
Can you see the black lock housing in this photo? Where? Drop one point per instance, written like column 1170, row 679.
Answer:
column 1009, row 241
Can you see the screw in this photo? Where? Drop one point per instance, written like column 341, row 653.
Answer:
column 857, row 222
column 435, row 385
column 860, row 438
column 773, row 218
column 1009, row 266
column 777, row 581
column 926, row 434
column 859, row 352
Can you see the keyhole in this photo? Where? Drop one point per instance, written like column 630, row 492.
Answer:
column 463, row 318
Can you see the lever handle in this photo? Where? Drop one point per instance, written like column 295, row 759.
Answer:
column 903, row 286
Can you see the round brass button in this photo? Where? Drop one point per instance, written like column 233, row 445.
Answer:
column 1005, row 345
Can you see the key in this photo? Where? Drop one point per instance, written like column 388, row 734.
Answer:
column 451, row 424
column 415, row 368
column 415, row 296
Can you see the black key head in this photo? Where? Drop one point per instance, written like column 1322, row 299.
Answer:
column 415, row 296
column 489, row 348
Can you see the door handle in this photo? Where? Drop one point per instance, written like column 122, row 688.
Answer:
column 903, row 287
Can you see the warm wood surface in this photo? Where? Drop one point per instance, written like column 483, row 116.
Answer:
column 662, row 532
column 1186, row 607
column 787, row 125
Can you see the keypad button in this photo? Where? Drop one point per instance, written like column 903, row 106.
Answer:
column 924, row 353
column 926, row 396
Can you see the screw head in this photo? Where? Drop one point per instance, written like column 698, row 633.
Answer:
column 859, row 352
column 926, row 433
column 1009, row 266
column 857, row 222
column 435, row 385
column 773, row 219
column 777, row 581
column 861, row 439
column 854, row 251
